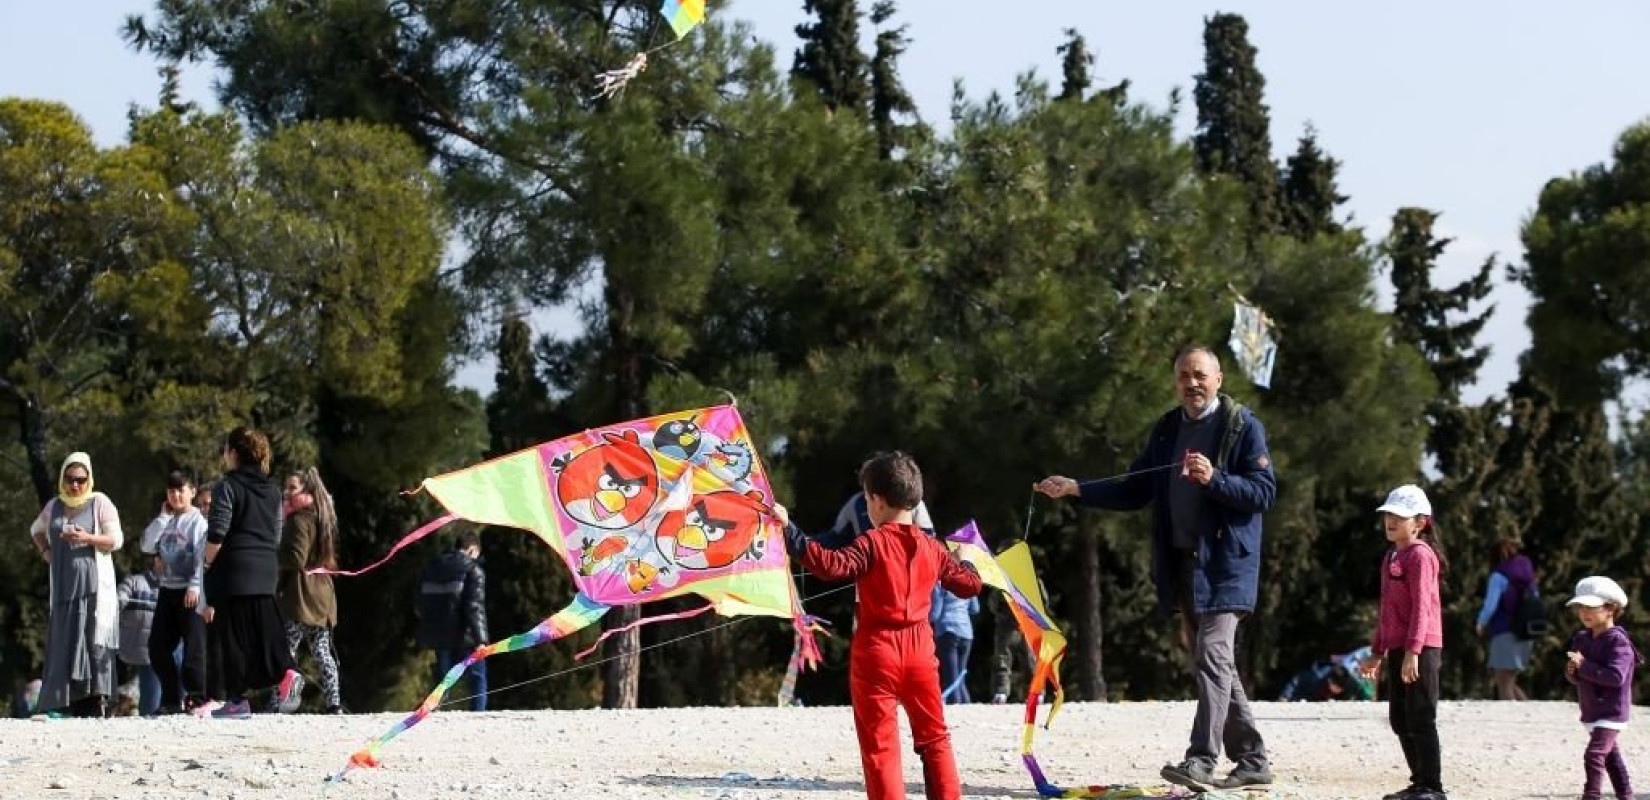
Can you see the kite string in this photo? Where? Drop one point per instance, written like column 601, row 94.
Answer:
column 1031, row 505
column 1158, row 468
column 656, row 645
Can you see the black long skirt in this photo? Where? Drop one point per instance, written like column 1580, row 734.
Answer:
column 251, row 640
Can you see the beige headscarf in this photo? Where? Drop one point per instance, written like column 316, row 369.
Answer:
column 63, row 496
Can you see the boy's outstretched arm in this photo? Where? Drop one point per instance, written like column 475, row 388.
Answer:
column 845, row 564
column 959, row 577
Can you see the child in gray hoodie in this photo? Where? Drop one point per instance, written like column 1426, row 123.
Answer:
column 177, row 540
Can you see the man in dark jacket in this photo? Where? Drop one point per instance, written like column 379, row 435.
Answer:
column 452, row 612
column 1208, row 478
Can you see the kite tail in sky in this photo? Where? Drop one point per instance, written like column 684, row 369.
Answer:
column 579, row 614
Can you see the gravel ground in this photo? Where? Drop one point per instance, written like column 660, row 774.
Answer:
column 1498, row 751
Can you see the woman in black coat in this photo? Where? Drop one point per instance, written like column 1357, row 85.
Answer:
column 241, row 535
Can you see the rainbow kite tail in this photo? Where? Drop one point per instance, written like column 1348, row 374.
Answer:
column 579, row 614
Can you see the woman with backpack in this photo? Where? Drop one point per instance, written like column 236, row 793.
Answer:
column 1510, row 626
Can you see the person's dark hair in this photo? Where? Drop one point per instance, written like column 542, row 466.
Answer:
column 1504, row 550
column 204, row 496
column 325, row 553
column 250, row 446
column 467, row 540
column 1429, row 534
column 179, row 480
column 1195, row 348
column 894, row 477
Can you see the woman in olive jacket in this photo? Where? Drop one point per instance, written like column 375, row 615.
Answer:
column 309, row 539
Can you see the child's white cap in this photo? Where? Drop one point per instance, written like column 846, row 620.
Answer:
column 1596, row 590
column 1407, row 501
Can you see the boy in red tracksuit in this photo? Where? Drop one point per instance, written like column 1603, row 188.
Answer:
column 891, row 662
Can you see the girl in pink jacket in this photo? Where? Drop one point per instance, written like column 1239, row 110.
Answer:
column 1409, row 639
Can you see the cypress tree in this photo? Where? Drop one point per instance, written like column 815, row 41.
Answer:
column 1233, row 123
column 830, row 57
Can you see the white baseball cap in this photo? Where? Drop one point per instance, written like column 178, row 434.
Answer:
column 1407, row 501
column 1596, row 590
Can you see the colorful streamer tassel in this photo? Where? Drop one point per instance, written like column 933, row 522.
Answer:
column 800, row 656
column 579, row 614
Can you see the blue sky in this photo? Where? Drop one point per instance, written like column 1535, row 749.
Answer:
column 1464, row 108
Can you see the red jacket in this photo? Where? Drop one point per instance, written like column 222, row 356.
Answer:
column 896, row 567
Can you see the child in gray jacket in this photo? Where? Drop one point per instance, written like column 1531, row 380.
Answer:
column 177, row 540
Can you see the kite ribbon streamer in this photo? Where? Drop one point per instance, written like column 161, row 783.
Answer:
column 639, row 623
column 804, row 638
column 1012, row 573
column 579, row 614
column 428, row 528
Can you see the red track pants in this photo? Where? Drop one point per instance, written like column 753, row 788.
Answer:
column 891, row 668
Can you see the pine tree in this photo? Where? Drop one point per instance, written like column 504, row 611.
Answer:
column 889, row 99
column 1584, row 265
column 1310, row 195
column 1437, row 321
column 519, row 412
column 1233, row 123
column 1075, row 63
column 830, row 57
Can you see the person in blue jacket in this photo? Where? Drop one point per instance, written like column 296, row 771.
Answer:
column 1207, row 476
column 953, row 621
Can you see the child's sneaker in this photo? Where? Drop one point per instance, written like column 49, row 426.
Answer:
column 290, row 693
column 239, row 709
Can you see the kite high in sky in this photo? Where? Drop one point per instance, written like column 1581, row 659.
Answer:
column 1253, row 342
column 1012, row 573
column 683, row 16
column 671, row 505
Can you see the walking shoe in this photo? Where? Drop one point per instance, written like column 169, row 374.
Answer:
column 1194, row 775
column 239, row 709
column 289, row 694
column 206, row 709
column 1245, row 775
column 1427, row 794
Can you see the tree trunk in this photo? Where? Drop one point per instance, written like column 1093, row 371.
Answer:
column 32, row 434
column 621, row 677
column 1090, row 635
